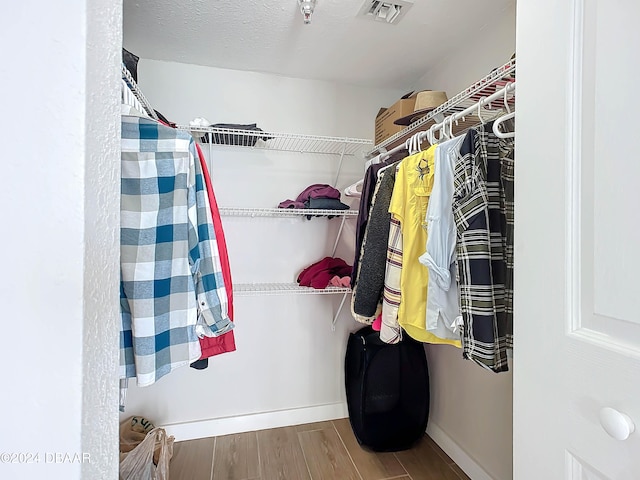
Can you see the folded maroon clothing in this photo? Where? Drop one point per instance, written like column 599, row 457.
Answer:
column 312, row 270
column 322, row 279
column 319, row 274
column 317, row 190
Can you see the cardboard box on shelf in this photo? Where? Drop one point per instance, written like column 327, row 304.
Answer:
column 386, row 116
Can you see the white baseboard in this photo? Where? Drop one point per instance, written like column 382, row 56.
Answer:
column 457, row 454
column 255, row 421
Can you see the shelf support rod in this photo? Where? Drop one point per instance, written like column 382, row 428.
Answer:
column 335, row 318
column 210, row 166
column 335, row 245
column 344, row 148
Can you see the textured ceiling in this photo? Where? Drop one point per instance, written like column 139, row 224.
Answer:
column 269, row 36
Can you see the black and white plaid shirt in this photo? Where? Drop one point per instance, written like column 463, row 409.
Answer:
column 483, row 212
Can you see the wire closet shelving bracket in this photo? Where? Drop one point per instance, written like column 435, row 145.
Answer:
column 249, row 289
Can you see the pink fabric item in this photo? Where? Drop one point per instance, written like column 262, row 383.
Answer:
column 211, row 346
column 337, row 281
column 377, row 323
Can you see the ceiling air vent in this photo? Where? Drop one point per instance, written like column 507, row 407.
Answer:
column 387, row 12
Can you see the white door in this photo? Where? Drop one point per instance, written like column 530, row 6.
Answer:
column 577, row 252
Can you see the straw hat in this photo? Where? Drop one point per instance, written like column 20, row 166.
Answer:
column 425, row 102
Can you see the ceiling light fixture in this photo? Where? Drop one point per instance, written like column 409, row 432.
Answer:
column 306, row 8
column 385, row 11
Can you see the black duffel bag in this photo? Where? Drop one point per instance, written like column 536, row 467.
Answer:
column 387, row 391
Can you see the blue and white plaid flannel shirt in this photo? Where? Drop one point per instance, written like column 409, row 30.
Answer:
column 172, row 288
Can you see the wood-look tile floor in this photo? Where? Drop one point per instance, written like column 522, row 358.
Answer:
column 315, row 451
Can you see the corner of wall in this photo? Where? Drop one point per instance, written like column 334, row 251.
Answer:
column 101, row 239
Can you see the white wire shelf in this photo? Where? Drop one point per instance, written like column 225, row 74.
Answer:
column 290, row 142
column 133, row 86
column 496, row 80
column 248, row 289
column 284, row 212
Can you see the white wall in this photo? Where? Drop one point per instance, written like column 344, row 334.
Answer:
column 287, row 357
column 470, row 405
column 60, row 217
column 482, row 51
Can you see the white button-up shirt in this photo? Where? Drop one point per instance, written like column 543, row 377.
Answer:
column 443, row 302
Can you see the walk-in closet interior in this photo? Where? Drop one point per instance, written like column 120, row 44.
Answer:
column 459, row 175
column 316, row 90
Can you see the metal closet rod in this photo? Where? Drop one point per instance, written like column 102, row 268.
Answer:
column 423, row 135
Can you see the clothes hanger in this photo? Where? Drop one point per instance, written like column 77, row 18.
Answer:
column 450, row 135
column 381, row 157
column 370, row 162
column 412, row 145
column 480, row 105
column 443, row 135
column 431, row 136
column 355, row 189
column 496, row 125
column 386, row 167
column 447, row 135
column 417, row 142
column 352, row 190
column 408, row 145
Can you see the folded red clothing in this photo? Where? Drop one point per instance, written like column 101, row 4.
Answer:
column 308, row 273
column 319, row 274
column 322, row 279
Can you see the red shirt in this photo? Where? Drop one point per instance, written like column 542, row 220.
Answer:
column 211, row 346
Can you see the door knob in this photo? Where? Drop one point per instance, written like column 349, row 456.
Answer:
column 616, row 424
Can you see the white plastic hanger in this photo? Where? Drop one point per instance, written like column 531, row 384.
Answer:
column 431, row 136
column 408, row 145
column 415, row 143
column 374, row 160
column 496, row 125
column 413, row 146
column 384, row 168
column 352, row 190
column 480, row 104
column 355, row 189
column 447, row 135
column 450, row 135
